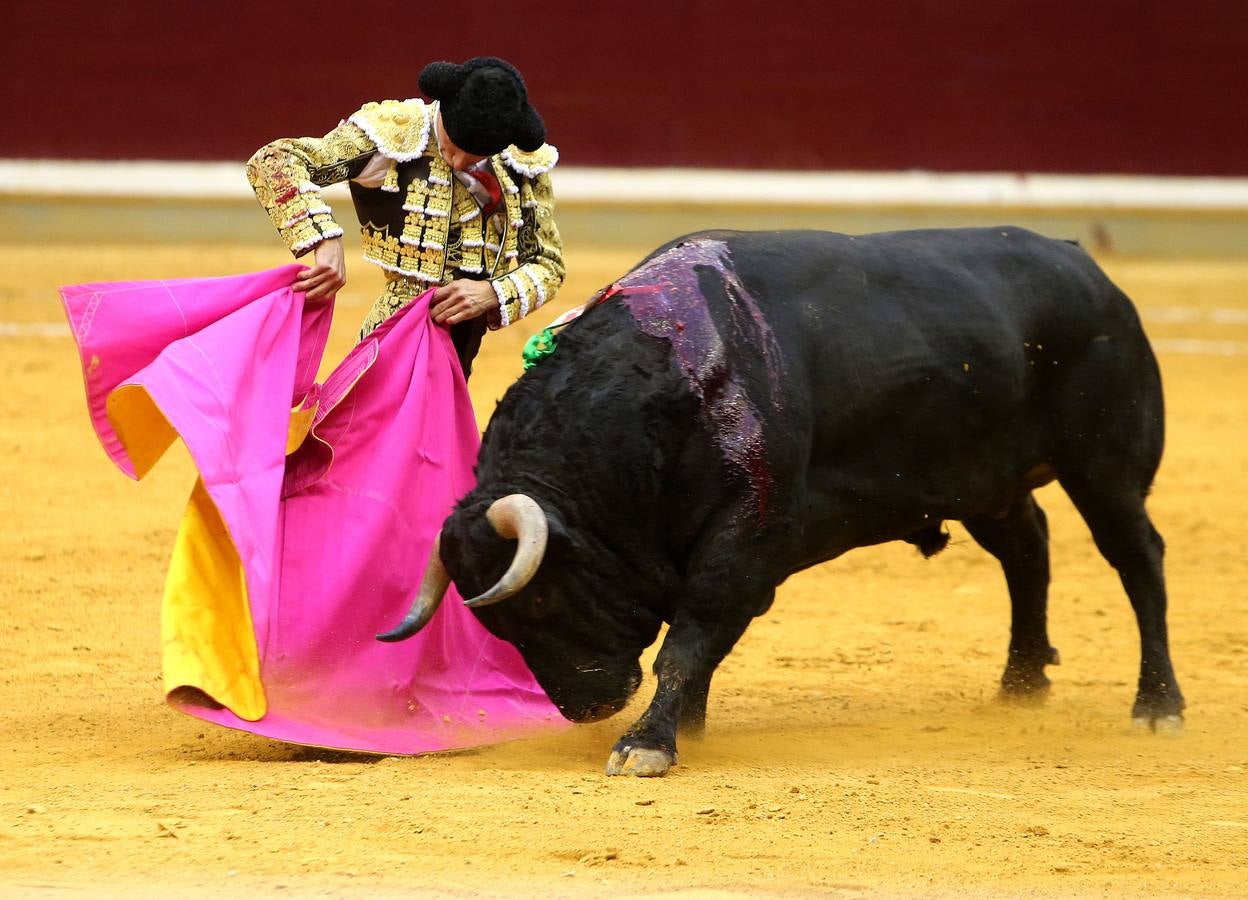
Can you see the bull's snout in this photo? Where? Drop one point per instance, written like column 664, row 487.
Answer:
column 599, row 711
column 593, row 706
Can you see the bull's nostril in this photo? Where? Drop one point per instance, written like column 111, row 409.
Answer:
column 599, row 711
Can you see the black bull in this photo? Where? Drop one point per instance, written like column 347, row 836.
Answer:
column 741, row 406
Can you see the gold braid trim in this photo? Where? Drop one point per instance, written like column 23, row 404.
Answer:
column 538, row 162
column 540, row 269
column 286, row 173
column 511, row 202
column 472, row 232
column 399, row 128
column 428, row 207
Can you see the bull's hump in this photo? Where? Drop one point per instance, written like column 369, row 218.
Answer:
column 690, row 297
column 667, row 296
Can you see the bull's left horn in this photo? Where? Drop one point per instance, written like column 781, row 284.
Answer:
column 432, row 589
column 516, row 516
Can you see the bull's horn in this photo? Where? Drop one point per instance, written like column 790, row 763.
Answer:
column 516, row 516
column 432, row 589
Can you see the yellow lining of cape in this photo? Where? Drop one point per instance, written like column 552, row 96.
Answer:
column 207, row 636
column 207, row 639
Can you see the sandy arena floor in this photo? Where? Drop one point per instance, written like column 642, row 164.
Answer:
column 855, row 747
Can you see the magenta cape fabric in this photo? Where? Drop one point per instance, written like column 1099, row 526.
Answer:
column 333, row 538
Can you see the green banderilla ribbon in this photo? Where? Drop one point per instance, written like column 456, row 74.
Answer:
column 538, row 347
column 542, row 344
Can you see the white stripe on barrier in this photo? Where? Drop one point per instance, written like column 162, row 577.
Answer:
column 700, row 187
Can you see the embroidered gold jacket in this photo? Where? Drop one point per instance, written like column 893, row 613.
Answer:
column 416, row 219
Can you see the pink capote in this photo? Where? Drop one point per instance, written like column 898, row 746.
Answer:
column 332, row 539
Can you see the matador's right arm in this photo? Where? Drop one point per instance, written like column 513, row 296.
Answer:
column 287, row 176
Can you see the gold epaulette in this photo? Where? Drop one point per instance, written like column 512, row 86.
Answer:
column 530, row 165
column 399, row 128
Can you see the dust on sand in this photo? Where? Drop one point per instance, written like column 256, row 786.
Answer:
column 855, row 746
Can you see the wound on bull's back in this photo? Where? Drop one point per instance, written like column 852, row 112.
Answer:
column 690, row 297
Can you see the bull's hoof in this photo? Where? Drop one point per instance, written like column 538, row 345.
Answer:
column 1158, row 711
column 1024, row 680
column 1030, row 687
column 1171, row 725
column 644, row 762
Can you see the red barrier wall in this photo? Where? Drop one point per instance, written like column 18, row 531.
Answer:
column 1089, row 86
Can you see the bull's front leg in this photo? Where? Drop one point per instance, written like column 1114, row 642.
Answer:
column 694, row 646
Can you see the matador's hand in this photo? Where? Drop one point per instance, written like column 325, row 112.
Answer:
column 321, row 282
column 461, row 300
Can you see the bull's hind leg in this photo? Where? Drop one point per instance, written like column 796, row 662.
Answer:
column 1127, row 539
column 1111, row 435
column 1020, row 542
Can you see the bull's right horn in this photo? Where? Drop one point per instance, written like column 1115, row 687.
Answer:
column 432, row 589
column 516, row 516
